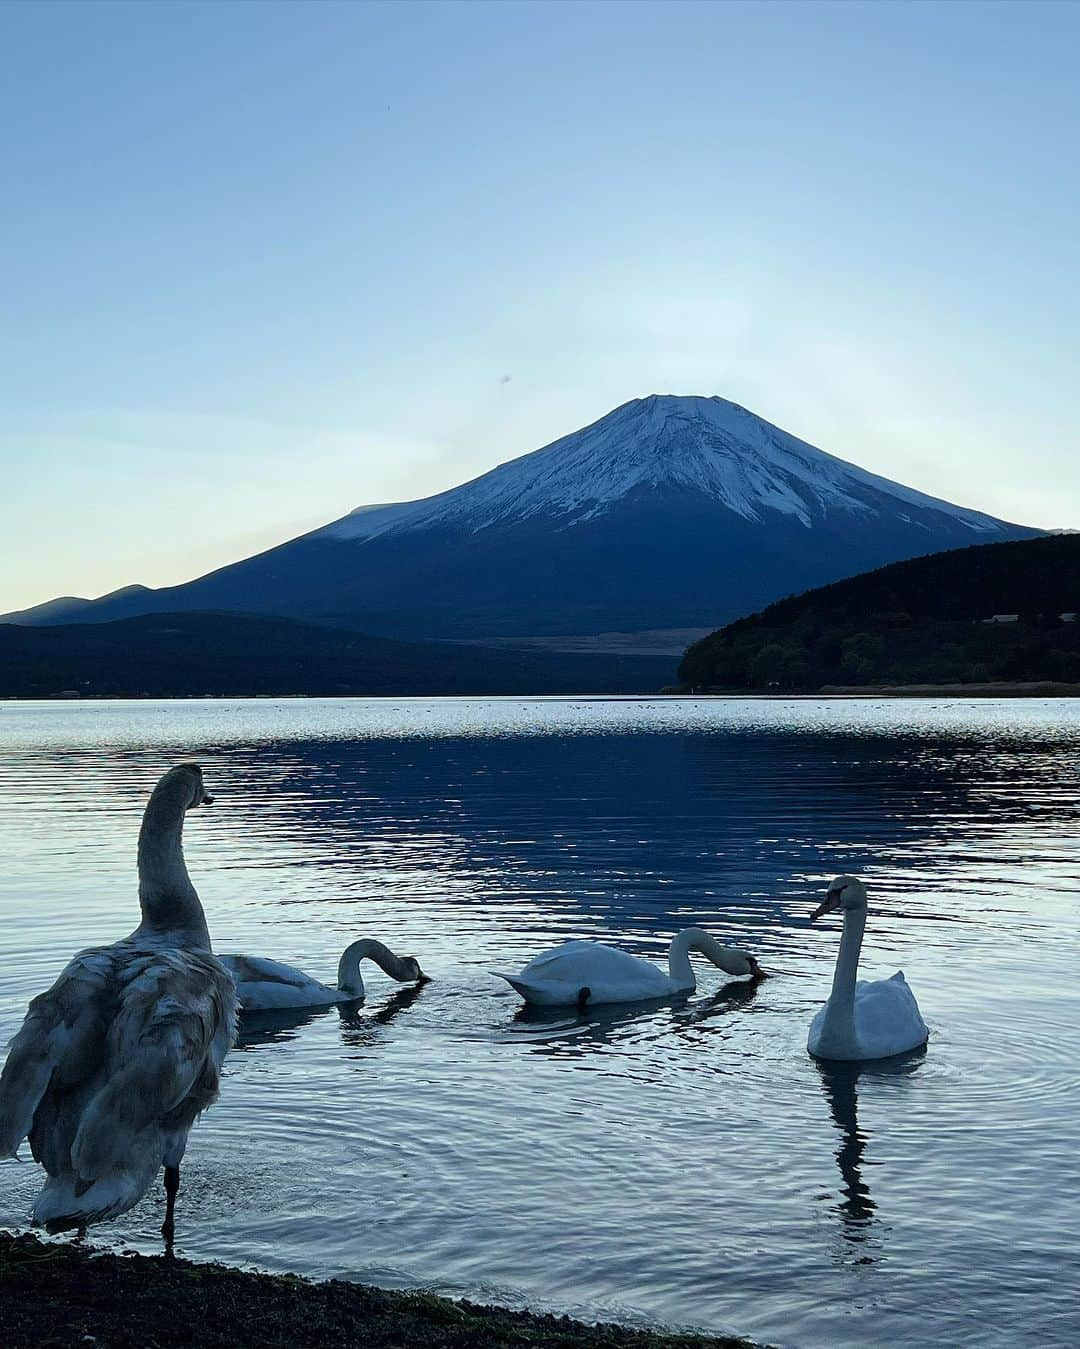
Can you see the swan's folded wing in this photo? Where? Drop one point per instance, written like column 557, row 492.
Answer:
column 888, row 1017
column 172, row 1029
column 257, row 970
column 59, row 1046
column 583, row 962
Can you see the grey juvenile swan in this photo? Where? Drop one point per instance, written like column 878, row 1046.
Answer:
column 114, row 1063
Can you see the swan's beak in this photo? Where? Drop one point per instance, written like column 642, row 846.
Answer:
column 207, row 800
column 830, row 902
column 756, row 972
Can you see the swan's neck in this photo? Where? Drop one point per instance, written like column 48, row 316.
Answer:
column 839, row 1026
column 681, row 972
column 166, row 895
column 350, row 981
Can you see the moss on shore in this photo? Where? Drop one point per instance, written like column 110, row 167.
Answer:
column 54, row 1295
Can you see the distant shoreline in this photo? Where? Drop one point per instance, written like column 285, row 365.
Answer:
column 1035, row 689
column 64, row 1295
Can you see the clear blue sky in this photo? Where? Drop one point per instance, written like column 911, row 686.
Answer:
column 266, row 262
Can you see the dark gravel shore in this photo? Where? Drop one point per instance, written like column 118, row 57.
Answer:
column 54, row 1294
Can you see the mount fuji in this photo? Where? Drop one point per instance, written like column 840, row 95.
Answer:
column 668, row 513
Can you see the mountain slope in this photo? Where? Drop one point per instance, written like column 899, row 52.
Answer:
column 695, row 446
column 921, row 621
column 176, row 655
column 668, row 512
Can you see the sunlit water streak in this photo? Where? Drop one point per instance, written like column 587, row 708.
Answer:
column 684, row 1162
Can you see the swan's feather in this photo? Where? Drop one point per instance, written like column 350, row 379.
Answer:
column 266, row 985
column 259, row 970
column 557, row 977
column 109, row 1071
column 887, row 1022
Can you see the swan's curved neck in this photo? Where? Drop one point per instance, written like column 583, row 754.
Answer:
column 838, row 1029
column 680, row 971
column 349, row 978
column 167, row 897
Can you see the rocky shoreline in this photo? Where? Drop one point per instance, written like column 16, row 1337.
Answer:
column 57, row 1294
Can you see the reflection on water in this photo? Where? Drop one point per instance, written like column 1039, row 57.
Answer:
column 682, row 1162
column 358, row 1026
column 840, row 1083
column 566, row 1033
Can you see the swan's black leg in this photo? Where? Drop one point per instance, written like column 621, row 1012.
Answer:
column 582, row 998
column 172, row 1185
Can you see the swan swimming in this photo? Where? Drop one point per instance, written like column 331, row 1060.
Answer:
column 115, row 1062
column 864, row 1019
column 581, row 972
column 266, row 985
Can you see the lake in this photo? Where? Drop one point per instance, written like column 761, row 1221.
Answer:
column 683, row 1163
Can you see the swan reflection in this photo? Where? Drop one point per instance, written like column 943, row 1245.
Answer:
column 562, row 1032
column 840, row 1084
column 360, row 1025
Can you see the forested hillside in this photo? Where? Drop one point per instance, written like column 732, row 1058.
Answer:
column 922, row 621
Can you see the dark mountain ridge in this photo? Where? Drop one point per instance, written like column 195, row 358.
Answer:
column 178, row 655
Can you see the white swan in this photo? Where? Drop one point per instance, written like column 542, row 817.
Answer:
column 581, row 972
column 114, row 1063
column 265, row 985
column 862, row 1020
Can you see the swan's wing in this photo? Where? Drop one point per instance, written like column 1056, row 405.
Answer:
column 61, row 1044
column 582, row 961
column 173, row 1020
column 177, row 1009
column 558, row 976
column 887, row 1017
column 256, row 970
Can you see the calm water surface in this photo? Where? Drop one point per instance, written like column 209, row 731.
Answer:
column 686, row 1163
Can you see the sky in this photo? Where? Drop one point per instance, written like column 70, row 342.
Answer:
column 263, row 263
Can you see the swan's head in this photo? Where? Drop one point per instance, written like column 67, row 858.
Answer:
column 199, row 795
column 739, row 963
column 742, row 964
column 845, row 892
column 184, row 786
column 411, row 971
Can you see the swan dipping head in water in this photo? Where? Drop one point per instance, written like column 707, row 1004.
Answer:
column 267, row 985
column 862, row 1019
column 580, row 973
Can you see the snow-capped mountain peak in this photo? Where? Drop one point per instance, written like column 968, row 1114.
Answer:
column 664, row 443
column 668, row 513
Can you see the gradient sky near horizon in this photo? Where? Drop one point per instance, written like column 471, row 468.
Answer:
column 264, row 263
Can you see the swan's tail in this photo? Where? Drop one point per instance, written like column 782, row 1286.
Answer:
column 65, row 1202
column 528, row 991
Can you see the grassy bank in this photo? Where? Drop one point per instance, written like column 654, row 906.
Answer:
column 55, row 1294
